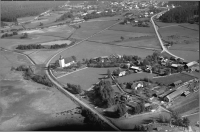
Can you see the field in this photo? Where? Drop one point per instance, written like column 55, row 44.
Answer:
column 134, row 76
column 40, row 57
column 130, row 39
column 34, row 39
column 187, row 55
column 129, row 28
column 89, row 50
column 129, row 123
column 89, row 28
column 85, row 78
column 185, row 38
column 173, row 78
column 25, row 105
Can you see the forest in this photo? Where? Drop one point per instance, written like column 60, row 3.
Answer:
column 184, row 13
column 11, row 10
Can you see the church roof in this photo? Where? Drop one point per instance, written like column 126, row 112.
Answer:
column 68, row 60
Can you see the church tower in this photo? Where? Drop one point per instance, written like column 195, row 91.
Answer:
column 61, row 62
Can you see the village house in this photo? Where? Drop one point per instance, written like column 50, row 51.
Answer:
column 135, row 68
column 66, row 62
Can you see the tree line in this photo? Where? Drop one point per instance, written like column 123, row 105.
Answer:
column 28, row 74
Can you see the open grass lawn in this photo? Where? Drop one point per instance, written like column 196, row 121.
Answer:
column 110, row 36
column 8, row 60
column 89, row 28
column 187, row 107
column 134, row 76
column 186, row 39
column 129, row 28
column 34, row 39
column 89, row 50
column 129, row 123
column 187, row 55
column 150, row 42
column 173, row 78
column 85, row 78
column 41, row 57
column 165, row 25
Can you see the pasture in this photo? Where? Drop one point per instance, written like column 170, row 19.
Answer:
column 184, row 38
column 129, row 28
column 110, row 36
column 173, row 78
column 41, row 56
column 85, row 78
column 26, row 105
column 187, row 55
column 89, row 28
column 129, row 123
column 135, row 76
column 33, row 39
column 87, row 50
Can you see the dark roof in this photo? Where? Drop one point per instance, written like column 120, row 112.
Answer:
column 177, row 82
column 68, row 60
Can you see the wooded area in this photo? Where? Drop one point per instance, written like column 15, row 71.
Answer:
column 186, row 12
column 11, row 10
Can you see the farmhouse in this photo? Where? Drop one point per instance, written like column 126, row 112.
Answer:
column 176, row 93
column 65, row 62
column 193, row 66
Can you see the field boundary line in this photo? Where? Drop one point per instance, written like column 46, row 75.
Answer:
column 190, row 114
column 71, row 72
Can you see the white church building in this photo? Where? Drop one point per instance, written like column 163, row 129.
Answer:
column 65, row 62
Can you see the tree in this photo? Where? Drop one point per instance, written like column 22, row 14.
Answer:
column 25, row 35
column 109, row 73
column 15, row 33
column 121, row 109
column 74, row 58
column 41, row 24
column 186, row 122
column 122, row 38
column 78, row 64
column 105, row 93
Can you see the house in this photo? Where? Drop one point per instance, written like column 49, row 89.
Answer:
column 139, row 85
column 65, row 62
column 135, row 68
column 193, row 66
column 122, row 73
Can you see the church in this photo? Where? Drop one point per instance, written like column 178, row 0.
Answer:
column 65, row 62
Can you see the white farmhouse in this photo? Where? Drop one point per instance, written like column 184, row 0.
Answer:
column 66, row 62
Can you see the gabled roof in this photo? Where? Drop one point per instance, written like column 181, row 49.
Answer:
column 68, row 60
column 177, row 92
